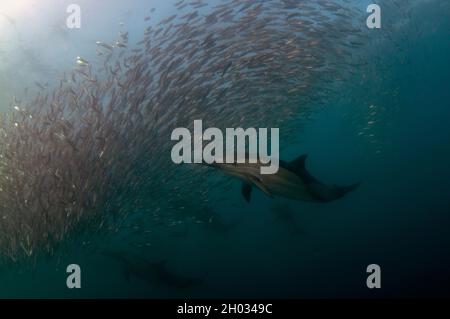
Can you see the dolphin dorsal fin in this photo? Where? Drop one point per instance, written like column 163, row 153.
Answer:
column 298, row 166
column 299, row 163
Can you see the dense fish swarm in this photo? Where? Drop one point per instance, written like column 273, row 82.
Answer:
column 97, row 147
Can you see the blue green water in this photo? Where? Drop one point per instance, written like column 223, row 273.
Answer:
column 398, row 218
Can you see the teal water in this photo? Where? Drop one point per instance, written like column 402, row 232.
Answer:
column 386, row 124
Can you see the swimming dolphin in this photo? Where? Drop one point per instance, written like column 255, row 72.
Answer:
column 292, row 181
column 151, row 272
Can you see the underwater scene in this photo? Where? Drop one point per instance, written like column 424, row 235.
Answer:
column 106, row 106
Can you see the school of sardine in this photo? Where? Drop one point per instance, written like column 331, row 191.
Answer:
column 87, row 153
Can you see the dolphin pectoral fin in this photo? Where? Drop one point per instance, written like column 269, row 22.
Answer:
column 261, row 186
column 246, row 191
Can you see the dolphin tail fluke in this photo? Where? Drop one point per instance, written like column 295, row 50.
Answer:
column 341, row 191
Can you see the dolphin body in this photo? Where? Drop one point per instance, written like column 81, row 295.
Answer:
column 151, row 272
column 292, row 181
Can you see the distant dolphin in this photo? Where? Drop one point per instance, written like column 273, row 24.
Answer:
column 151, row 272
column 291, row 181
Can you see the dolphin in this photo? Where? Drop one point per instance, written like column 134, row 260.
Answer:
column 151, row 272
column 292, row 181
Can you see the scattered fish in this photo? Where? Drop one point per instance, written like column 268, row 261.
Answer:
column 91, row 151
column 81, row 62
column 104, row 45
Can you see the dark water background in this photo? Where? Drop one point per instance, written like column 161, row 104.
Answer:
column 399, row 218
